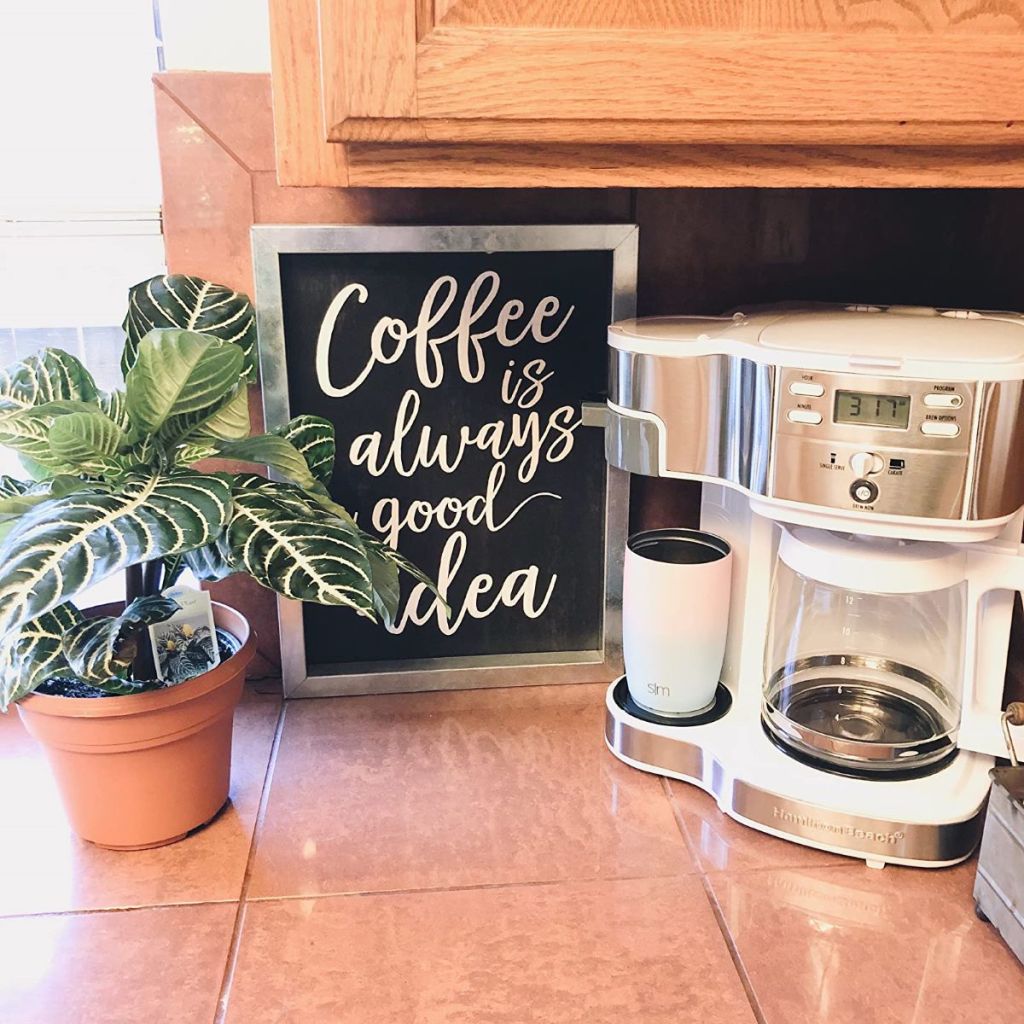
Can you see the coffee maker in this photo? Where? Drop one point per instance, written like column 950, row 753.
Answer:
column 866, row 466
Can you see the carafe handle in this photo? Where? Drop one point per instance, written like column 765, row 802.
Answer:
column 985, row 650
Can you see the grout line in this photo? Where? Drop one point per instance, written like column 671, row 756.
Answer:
column 92, row 911
column 734, row 953
column 472, row 887
column 231, row 961
column 677, row 814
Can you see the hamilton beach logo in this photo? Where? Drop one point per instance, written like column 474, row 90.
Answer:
column 845, row 831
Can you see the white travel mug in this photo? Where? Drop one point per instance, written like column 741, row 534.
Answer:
column 675, row 617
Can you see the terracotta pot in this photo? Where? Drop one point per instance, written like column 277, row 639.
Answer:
column 145, row 769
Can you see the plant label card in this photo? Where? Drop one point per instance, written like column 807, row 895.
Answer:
column 185, row 645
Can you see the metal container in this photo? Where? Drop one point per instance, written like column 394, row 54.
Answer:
column 999, row 885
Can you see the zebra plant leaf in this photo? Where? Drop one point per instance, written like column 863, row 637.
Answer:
column 34, row 653
column 211, row 562
column 228, row 421
column 114, row 405
column 177, row 373
column 28, row 431
column 191, row 304
column 50, row 376
column 299, row 551
column 32, row 493
column 104, row 648
column 69, row 543
column 88, row 440
column 277, row 453
column 313, row 437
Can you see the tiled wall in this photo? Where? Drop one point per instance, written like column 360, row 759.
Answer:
column 701, row 250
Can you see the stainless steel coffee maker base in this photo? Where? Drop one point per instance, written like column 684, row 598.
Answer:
column 724, row 758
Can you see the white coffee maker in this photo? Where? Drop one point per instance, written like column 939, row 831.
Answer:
column 866, row 466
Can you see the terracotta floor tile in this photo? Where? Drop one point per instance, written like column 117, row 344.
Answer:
column 44, row 867
column 123, row 967
column 851, row 945
column 438, row 790
column 721, row 844
column 647, row 951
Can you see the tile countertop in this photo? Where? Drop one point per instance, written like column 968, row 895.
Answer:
column 473, row 857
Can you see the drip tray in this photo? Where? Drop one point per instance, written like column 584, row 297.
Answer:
column 721, row 705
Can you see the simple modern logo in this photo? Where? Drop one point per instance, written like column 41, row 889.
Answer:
column 808, row 823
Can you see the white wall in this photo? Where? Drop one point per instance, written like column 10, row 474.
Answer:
column 215, row 35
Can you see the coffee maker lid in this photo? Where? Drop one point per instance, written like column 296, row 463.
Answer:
column 874, row 565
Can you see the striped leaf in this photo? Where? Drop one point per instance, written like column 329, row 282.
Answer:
column 15, row 505
column 89, row 441
column 284, row 544
column 227, row 421
column 211, row 562
column 104, row 648
column 34, row 653
column 69, row 543
column 50, row 376
column 114, row 405
column 178, row 373
column 276, row 453
column 191, row 304
column 313, row 437
column 28, row 432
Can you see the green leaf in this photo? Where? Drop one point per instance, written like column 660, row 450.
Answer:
column 104, row 648
column 114, row 405
column 87, row 440
column 177, row 373
column 50, row 376
column 69, row 543
column 28, row 431
column 11, row 486
column 277, row 453
column 35, row 493
column 228, row 421
column 282, row 543
column 34, row 653
column 387, row 590
column 211, row 562
column 191, row 304
column 313, row 438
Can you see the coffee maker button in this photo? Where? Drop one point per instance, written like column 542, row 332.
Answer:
column 807, row 388
column 938, row 401
column 863, row 491
column 866, row 463
column 803, row 416
column 937, row 428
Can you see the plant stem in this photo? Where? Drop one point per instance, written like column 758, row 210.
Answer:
column 134, row 582
column 138, row 580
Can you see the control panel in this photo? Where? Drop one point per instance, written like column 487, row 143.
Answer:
column 874, row 444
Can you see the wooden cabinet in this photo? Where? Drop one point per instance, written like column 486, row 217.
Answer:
column 659, row 92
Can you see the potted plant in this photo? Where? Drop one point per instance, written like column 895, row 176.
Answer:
column 114, row 487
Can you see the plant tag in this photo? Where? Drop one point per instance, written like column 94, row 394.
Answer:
column 185, row 645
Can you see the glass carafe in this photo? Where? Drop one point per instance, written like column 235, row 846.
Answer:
column 864, row 655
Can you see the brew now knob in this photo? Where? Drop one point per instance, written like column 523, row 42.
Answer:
column 866, row 463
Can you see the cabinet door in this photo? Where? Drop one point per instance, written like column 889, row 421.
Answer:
column 936, row 72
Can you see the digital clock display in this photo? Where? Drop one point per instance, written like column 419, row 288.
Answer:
column 872, row 410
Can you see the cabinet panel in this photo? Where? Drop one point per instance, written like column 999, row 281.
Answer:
column 541, row 92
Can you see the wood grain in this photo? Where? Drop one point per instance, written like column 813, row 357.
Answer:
column 710, row 76
column 939, row 16
column 721, row 132
column 303, row 155
column 684, row 166
column 368, row 50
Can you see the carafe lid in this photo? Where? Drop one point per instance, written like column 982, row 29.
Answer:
column 874, row 565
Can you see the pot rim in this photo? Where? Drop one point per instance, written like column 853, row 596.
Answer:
column 140, row 703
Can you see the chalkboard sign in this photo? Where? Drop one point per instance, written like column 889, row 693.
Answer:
column 455, row 364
